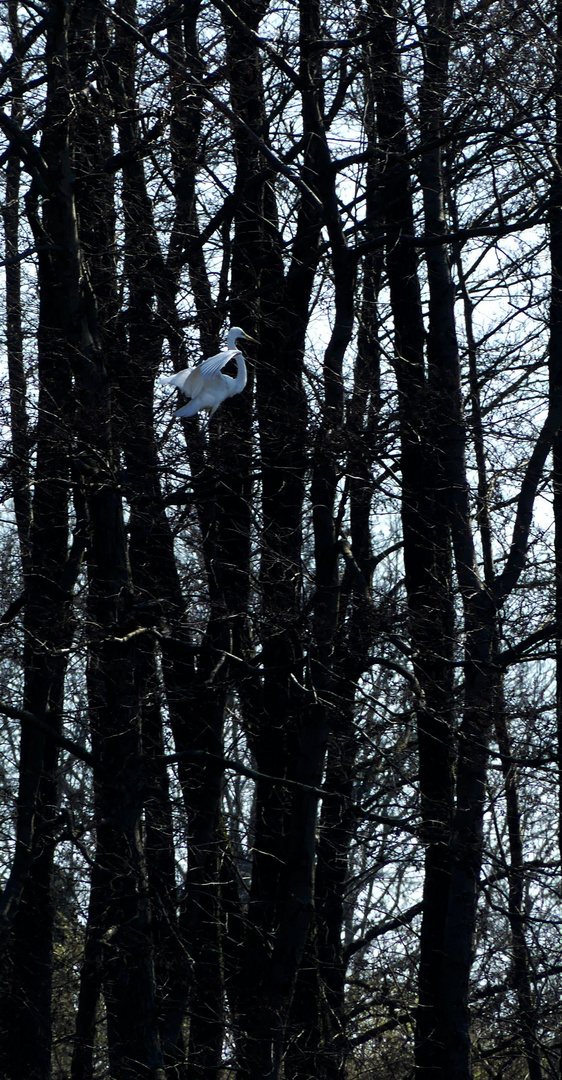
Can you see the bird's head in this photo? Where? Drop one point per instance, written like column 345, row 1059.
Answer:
column 234, row 334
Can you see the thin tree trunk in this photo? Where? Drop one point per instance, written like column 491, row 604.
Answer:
column 520, row 952
column 555, row 370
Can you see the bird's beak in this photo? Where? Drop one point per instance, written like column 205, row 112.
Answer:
column 255, row 340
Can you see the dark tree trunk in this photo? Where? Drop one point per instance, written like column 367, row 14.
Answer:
column 555, row 371
column 426, row 535
column 26, row 1027
column 20, row 465
column 91, row 981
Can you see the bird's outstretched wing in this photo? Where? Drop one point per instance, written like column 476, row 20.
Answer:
column 192, row 380
column 176, row 380
column 213, row 364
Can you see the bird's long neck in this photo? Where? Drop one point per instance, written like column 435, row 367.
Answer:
column 241, row 374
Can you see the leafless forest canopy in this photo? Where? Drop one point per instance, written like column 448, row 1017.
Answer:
column 280, row 705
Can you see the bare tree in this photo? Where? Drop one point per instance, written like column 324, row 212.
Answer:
column 287, row 727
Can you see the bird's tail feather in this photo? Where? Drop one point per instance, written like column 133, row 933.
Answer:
column 188, row 410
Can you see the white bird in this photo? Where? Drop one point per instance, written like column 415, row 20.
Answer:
column 205, row 383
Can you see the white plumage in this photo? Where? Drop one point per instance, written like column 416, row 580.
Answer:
column 205, row 384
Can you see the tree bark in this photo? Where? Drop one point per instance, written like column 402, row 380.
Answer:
column 555, row 374
column 427, row 554
column 26, row 1027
